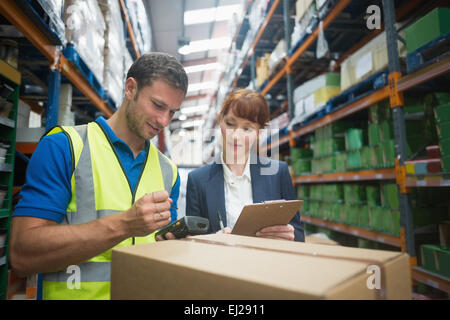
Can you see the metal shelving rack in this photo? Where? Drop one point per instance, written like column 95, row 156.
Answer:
column 12, row 77
column 398, row 84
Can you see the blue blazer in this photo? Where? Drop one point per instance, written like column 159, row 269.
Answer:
column 206, row 193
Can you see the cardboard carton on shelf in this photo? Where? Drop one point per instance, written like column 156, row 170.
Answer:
column 254, row 268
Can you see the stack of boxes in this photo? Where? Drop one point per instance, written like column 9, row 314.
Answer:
column 301, row 161
column 367, row 61
column 114, row 49
column 314, row 94
column 85, row 30
column 436, row 257
column 370, row 206
column 262, row 69
column 328, row 142
column 442, row 117
column 434, row 24
column 140, row 24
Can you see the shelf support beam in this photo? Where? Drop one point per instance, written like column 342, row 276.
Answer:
column 406, row 218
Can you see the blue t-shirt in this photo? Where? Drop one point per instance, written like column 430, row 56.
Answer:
column 47, row 191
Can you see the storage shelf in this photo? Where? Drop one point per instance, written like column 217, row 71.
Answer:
column 4, row 213
column 433, row 280
column 238, row 29
column 255, row 41
column 7, row 122
column 17, row 17
column 354, row 231
column 338, row 8
column 365, row 175
column 130, row 30
column 425, row 74
column 436, row 180
column 9, row 72
column 351, row 108
column 5, row 167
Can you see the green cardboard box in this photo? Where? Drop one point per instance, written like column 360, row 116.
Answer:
column 428, row 28
column 298, row 153
column 442, row 113
column 353, row 215
column 396, row 222
column 374, row 134
column 390, row 196
column 388, row 153
column 446, row 164
column 445, row 147
column 376, row 218
column 341, row 162
column 373, row 195
column 436, row 259
column 354, row 139
column 303, row 192
column 386, row 131
column 354, row 160
column 364, row 218
column 443, row 130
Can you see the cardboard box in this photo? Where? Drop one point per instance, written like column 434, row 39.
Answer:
column 426, row 29
column 315, row 239
column 444, row 234
column 223, row 266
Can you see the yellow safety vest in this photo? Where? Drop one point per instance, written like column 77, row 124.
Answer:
column 100, row 187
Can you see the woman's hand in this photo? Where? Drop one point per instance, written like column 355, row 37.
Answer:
column 281, row 232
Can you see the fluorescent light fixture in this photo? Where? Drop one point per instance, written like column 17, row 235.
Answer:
column 205, row 45
column 193, row 123
column 195, row 109
column 221, row 13
column 204, row 67
column 202, row 86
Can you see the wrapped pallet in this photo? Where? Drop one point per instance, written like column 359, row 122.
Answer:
column 85, row 28
column 313, row 94
column 262, row 69
column 139, row 22
column 277, row 55
column 114, row 49
column 367, row 61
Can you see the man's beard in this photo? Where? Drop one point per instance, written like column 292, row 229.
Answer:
column 133, row 120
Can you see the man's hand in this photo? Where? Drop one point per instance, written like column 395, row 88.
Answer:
column 225, row 230
column 281, row 232
column 169, row 236
column 149, row 213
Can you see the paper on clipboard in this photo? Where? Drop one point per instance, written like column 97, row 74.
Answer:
column 256, row 216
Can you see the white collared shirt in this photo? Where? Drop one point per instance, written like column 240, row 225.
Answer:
column 238, row 192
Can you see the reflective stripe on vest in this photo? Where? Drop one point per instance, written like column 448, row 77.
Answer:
column 96, row 167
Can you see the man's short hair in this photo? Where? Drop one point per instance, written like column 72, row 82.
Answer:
column 158, row 66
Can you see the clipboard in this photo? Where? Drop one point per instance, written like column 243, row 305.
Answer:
column 256, row 216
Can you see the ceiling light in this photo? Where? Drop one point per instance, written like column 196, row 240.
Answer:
column 221, row 13
column 182, row 117
column 202, row 86
column 205, row 45
column 204, row 67
column 195, row 109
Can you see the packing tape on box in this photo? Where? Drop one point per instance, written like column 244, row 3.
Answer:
column 380, row 294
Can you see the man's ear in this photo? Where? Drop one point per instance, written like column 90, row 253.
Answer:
column 130, row 88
